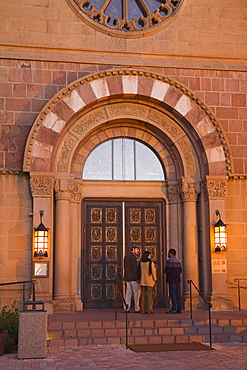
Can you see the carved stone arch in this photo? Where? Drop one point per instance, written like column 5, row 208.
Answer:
column 59, row 115
column 141, row 121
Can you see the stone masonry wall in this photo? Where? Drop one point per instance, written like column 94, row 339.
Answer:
column 28, row 85
column 236, row 219
column 204, row 28
column 15, row 234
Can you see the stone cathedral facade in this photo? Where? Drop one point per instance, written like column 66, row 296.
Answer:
column 124, row 122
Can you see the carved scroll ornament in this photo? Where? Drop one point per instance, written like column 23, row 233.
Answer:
column 41, row 185
column 215, row 189
column 76, row 193
column 189, row 191
column 172, row 192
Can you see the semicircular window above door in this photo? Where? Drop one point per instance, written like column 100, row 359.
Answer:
column 123, row 160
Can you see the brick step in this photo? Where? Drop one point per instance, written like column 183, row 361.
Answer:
column 144, row 340
column 151, row 331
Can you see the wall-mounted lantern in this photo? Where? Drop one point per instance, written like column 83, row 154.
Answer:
column 220, row 235
column 40, row 240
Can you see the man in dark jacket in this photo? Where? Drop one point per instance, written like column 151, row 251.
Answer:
column 173, row 271
column 131, row 277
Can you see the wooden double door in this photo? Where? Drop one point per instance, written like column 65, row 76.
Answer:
column 109, row 230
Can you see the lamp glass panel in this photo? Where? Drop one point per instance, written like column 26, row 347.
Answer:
column 40, row 241
column 220, row 236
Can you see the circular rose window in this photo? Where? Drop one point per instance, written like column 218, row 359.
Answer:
column 126, row 18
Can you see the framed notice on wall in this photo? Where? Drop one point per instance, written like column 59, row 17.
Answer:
column 219, row 266
column 40, row 269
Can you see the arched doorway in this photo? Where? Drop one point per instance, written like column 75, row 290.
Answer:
column 155, row 110
column 111, row 227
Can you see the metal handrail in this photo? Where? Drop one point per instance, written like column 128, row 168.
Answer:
column 209, row 308
column 239, row 287
column 126, row 309
column 33, row 282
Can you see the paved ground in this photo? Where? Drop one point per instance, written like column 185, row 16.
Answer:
column 225, row 356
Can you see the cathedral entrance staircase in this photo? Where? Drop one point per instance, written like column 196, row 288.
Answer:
column 91, row 327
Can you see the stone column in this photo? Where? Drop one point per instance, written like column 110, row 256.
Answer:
column 75, row 247
column 42, row 193
column 62, row 286
column 173, row 238
column 216, row 188
column 174, row 233
column 189, row 191
column 205, row 280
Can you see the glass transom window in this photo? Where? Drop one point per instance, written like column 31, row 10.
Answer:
column 123, row 160
column 123, row 18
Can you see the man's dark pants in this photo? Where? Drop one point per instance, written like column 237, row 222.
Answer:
column 175, row 295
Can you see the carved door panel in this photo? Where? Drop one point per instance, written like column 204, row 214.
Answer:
column 106, row 225
column 103, row 253
column 144, row 227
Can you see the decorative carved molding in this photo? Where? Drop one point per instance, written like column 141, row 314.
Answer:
column 215, row 189
column 89, row 120
column 41, row 186
column 127, row 109
column 67, row 190
column 172, row 129
column 7, row 171
column 188, row 156
column 65, row 153
column 172, row 193
column 238, row 176
column 64, row 189
column 189, row 191
column 76, row 193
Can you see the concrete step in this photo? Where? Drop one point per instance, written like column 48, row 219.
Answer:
column 145, row 331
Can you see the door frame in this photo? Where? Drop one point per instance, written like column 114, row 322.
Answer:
column 163, row 298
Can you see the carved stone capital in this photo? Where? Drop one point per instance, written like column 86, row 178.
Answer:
column 189, row 191
column 172, row 193
column 215, row 189
column 76, row 194
column 41, row 186
column 67, row 190
column 63, row 189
